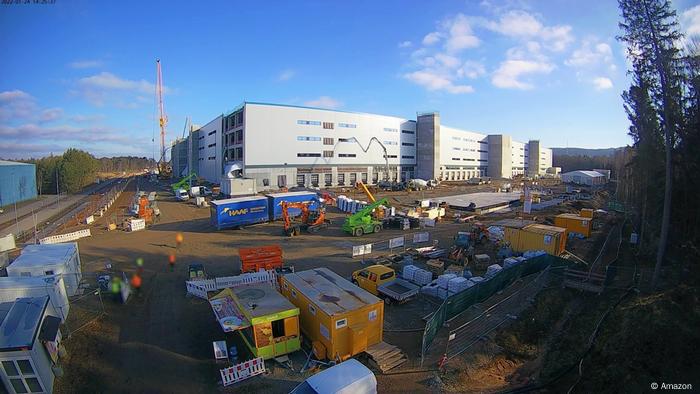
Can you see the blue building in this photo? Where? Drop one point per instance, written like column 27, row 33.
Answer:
column 17, row 182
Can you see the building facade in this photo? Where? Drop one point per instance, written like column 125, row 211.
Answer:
column 285, row 146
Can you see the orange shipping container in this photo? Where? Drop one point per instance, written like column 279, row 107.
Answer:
column 339, row 318
column 537, row 237
column 574, row 223
column 587, row 213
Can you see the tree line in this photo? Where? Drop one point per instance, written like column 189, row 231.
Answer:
column 75, row 169
column 660, row 180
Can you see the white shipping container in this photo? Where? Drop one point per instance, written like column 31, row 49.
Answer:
column 12, row 288
column 50, row 259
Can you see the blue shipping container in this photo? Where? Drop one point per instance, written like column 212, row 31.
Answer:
column 275, row 200
column 236, row 212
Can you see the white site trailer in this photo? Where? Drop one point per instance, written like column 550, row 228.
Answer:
column 61, row 259
column 12, row 288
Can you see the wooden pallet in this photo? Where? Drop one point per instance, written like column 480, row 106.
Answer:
column 386, row 356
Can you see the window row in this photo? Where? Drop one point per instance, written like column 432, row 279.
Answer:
column 302, row 138
column 408, row 131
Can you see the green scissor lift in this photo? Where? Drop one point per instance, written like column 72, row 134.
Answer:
column 180, row 184
column 362, row 222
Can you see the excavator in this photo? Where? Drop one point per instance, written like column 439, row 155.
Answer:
column 145, row 210
column 312, row 221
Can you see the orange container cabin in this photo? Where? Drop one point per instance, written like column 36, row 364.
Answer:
column 587, row 213
column 574, row 223
column 339, row 318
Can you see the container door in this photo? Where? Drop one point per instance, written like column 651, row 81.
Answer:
column 358, row 339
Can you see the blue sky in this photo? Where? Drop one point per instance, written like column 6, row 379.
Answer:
column 81, row 73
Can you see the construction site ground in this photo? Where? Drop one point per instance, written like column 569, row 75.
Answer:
column 161, row 340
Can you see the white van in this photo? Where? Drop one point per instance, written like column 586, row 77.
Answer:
column 181, row 195
column 348, row 377
column 200, row 191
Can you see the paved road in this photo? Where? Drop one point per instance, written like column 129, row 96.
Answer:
column 44, row 214
column 8, row 217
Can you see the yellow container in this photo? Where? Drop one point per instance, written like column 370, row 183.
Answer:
column 339, row 318
column 537, row 237
column 587, row 213
column 574, row 223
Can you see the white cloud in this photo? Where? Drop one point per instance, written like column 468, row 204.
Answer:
column 434, row 81
column 324, row 102
column 508, row 74
column 524, row 25
column 460, row 34
column 602, row 83
column 16, row 104
column 105, row 87
column 405, row 44
column 690, row 20
column 286, row 75
column 447, row 60
column 471, row 69
column 591, row 53
column 431, row 38
column 50, row 115
column 80, row 64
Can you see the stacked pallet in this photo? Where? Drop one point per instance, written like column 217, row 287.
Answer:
column 386, row 356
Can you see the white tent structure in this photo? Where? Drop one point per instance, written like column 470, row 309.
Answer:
column 61, row 259
column 583, row 177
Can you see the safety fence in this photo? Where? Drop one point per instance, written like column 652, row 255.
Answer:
column 242, row 371
column 504, row 310
column 399, row 243
column 458, row 303
column 200, row 288
column 56, row 239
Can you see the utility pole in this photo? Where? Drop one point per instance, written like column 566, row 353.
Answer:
column 58, row 192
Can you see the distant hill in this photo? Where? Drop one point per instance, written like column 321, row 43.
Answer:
column 584, row 152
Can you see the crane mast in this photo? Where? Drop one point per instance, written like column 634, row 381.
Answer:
column 163, row 167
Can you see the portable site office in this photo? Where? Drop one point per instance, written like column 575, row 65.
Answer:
column 12, row 288
column 537, row 237
column 574, row 223
column 267, row 322
column 50, row 259
column 340, row 319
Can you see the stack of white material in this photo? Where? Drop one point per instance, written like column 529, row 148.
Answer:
column 137, row 224
column 430, row 289
column 443, row 293
column 444, row 279
column 408, row 272
column 492, row 270
column 455, row 285
column 422, row 277
column 476, row 279
column 510, row 262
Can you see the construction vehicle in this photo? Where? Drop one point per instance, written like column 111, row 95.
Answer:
column 381, row 281
column 311, row 221
column 182, row 182
column 362, row 222
column 464, row 243
column 165, row 171
column 145, row 211
column 378, row 213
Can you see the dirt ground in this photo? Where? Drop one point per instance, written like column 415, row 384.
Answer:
column 161, row 340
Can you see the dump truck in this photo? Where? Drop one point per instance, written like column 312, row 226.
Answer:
column 381, row 281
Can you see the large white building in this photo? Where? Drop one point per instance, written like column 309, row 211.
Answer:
column 284, row 145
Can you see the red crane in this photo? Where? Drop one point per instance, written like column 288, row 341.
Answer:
column 164, row 168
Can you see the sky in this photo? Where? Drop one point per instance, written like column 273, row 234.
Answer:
column 81, row 73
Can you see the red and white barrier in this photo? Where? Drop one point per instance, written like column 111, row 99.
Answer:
column 242, row 371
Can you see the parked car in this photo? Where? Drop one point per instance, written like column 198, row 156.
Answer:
column 381, row 281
